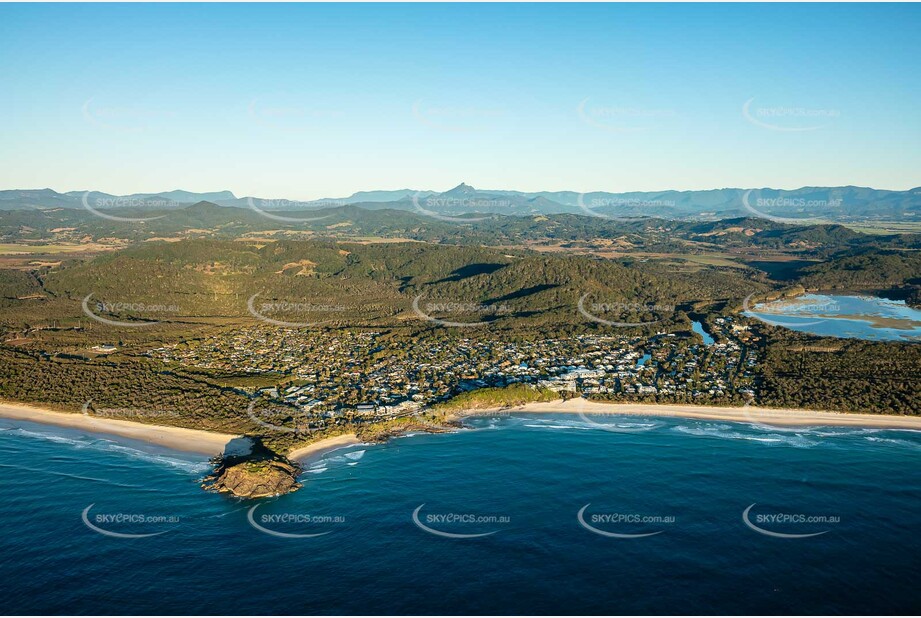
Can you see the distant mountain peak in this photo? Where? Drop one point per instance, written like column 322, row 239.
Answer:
column 461, row 189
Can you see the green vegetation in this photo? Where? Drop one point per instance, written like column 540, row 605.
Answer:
column 898, row 273
column 133, row 389
column 801, row 371
column 495, row 398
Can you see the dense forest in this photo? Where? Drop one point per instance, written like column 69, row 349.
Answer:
column 801, row 371
column 368, row 283
column 130, row 387
column 898, row 273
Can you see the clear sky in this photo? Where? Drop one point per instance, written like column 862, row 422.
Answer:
column 309, row 101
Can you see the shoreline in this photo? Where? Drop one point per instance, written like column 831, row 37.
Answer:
column 211, row 443
column 197, row 441
column 315, row 450
column 789, row 417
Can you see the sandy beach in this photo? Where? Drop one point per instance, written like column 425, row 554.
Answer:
column 179, row 438
column 747, row 414
column 189, row 440
column 320, row 447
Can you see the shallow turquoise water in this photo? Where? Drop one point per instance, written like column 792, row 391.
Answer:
column 530, row 476
column 842, row 316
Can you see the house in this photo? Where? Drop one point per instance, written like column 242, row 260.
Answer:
column 365, row 408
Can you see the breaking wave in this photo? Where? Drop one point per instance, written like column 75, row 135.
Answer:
column 556, row 426
column 728, row 432
column 606, row 424
column 897, row 441
column 98, row 444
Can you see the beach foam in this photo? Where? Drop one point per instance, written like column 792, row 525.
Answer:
column 727, row 432
column 101, row 444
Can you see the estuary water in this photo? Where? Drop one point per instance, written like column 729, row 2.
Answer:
column 698, row 328
column 857, row 317
column 529, row 514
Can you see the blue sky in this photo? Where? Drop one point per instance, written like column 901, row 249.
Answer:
column 309, row 101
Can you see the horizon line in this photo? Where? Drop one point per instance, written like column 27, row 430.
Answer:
column 241, row 195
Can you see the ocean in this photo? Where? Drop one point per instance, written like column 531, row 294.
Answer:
column 539, row 514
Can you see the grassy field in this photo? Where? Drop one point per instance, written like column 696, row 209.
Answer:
column 886, row 227
column 52, row 249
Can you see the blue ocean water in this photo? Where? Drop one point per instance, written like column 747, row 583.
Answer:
column 517, row 483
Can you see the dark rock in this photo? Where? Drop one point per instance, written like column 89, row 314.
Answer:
column 260, row 474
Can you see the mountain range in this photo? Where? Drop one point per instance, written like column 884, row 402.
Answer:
column 806, row 204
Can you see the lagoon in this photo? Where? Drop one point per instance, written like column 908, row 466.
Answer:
column 849, row 316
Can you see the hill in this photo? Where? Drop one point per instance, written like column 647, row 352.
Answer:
column 848, row 204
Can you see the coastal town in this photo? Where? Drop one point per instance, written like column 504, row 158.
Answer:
column 360, row 375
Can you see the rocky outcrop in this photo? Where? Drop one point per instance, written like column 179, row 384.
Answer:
column 383, row 433
column 260, row 474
